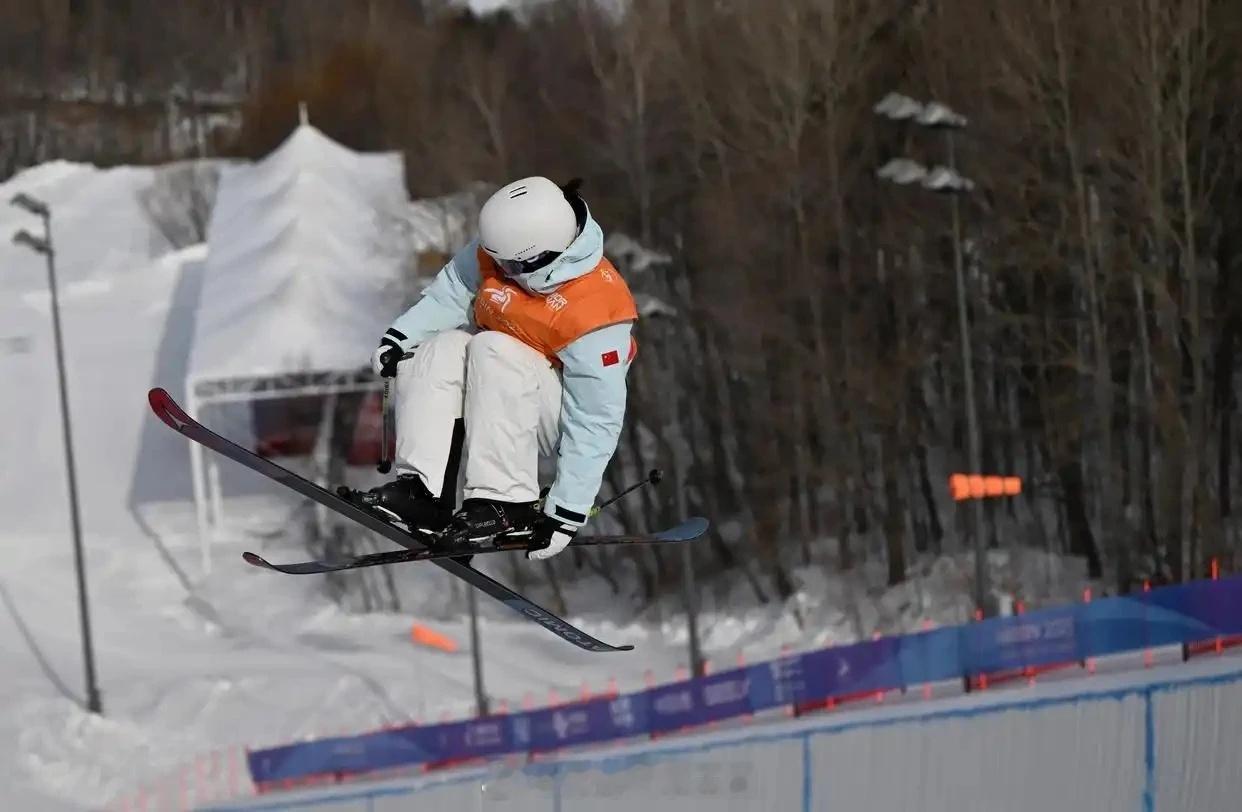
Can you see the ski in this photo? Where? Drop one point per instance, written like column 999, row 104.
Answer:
column 688, row 530
column 167, row 410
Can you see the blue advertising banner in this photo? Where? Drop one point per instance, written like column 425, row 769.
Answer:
column 473, row 739
column 852, row 669
column 1038, row 638
column 1177, row 614
column 930, row 656
column 578, row 723
column 697, row 702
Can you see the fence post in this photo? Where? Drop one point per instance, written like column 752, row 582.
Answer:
column 749, row 716
column 1220, row 641
column 1019, row 609
column 879, row 694
column 792, row 708
column 1147, row 657
column 927, row 689
column 1089, row 662
column 967, row 683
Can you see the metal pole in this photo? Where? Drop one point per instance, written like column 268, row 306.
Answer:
column 215, row 496
column 476, row 655
column 653, row 478
column 385, row 462
column 692, row 609
column 689, row 588
column 968, row 374
column 93, row 703
column 199, row 484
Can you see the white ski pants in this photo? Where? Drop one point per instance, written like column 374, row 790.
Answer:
column 510, row 397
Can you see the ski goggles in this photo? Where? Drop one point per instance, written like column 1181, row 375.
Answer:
column 519, row 267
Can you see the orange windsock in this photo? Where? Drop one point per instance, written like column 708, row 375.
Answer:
column 424, row 636
column 978, row 486
column 959, row 487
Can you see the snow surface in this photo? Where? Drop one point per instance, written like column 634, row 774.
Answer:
column 189, row 664
column 484, row 8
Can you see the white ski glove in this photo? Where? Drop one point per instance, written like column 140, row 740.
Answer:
column 550, row 536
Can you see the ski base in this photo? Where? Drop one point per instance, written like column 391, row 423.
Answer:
column 688, row 530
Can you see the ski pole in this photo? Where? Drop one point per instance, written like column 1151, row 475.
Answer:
column 385, row 461
column 653, row 477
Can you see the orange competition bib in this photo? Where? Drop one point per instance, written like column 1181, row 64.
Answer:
column 550, row 323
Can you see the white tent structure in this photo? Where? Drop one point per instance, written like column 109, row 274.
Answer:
column 303, row 271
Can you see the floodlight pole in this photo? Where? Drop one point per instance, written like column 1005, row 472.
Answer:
column 481, row 705
column 44, row 246
column 934, row 115
column 968, row 366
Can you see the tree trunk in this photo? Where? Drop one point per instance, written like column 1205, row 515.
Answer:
column 1082, row 542
column 894, row 520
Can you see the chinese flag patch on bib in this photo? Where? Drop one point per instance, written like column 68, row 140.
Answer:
column 611, row 357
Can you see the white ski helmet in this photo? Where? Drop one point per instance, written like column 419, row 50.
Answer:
column 527, row 224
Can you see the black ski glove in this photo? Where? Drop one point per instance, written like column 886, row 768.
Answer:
column 388, row 354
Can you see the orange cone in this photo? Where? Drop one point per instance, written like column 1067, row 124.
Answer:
column 423, row 636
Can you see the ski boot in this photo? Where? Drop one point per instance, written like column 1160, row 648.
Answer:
column 481, row 521
column 407, row 500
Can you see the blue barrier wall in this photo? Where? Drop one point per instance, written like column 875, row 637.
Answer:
column 1163, row 741
column 1170, row 615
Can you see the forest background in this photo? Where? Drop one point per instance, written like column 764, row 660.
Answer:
column 808, row 389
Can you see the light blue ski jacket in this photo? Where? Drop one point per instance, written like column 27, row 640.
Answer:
column 593, row 394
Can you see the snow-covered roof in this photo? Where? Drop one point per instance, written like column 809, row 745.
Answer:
column 301, row 264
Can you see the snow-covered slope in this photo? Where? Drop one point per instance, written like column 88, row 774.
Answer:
column 189, row 664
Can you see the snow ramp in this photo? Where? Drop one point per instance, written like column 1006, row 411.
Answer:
column 1164, row 739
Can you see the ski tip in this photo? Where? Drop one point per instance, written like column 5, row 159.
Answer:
column 605, row 648
column 689, row 530
column 166, row 408
column 255, row 560
column 158, row 397
column 697, row 525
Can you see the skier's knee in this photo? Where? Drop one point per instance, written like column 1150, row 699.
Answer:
column 443, row 350
column 490, row 345
column 450, row 341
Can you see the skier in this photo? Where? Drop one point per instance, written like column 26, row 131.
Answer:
column 526, row 334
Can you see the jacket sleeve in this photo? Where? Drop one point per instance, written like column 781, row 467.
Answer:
column 592, row 413
column 445, row 303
